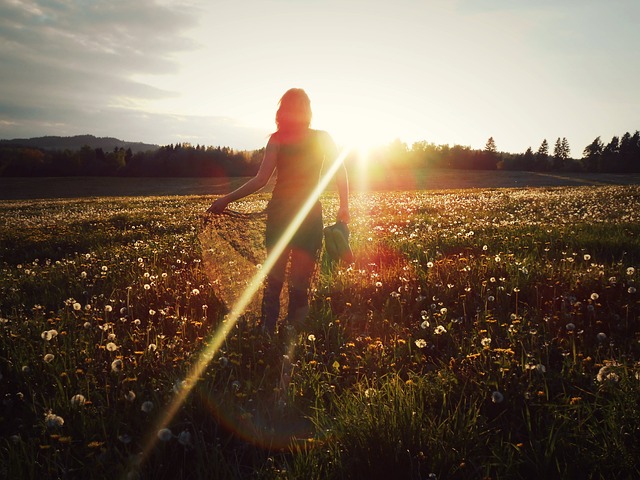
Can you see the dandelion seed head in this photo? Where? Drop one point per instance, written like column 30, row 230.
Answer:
column 179, row 385
column 539, row 368
column 78, row 400
column 146, row 406
column 130, row 396
column 424, row 325
column 631, row 271
column 111, row 347
column 77, row 306
column 607, row 374
column 117, row 365
column 594, row 296
column 52, row 420
column 601, row 336
column 439, row 330
column 48, row 335
column 311, row 337
column 184, row 438
column 497, row 397
column 108, row 308
column 164, row 434
column 48, row 358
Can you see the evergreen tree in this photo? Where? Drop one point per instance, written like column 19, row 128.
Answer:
column 560, row 153
column 542, row 156
column 528, row 160
column 611, row 156
column 592, row 156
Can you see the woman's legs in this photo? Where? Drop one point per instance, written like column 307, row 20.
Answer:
column 302, row 266
column 272, row 289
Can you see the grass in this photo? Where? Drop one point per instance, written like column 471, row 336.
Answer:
column 479, row 334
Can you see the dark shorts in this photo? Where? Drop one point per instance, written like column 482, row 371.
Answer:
column 309, row 234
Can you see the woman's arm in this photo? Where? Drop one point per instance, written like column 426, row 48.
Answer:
column 342, row 182
column 267, row 167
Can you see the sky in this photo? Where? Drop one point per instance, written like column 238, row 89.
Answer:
column 211, row 72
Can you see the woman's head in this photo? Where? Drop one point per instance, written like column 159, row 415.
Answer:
column 294, row 110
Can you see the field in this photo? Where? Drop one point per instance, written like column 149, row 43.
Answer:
column 427, row 179
column 482, row 333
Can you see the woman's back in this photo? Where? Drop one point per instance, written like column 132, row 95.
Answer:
column 299, row 162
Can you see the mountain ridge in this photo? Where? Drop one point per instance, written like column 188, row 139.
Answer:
column 76, row 142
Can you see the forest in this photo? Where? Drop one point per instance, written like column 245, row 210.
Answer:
column 620, row 155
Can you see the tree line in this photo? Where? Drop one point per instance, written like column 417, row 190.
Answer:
column 179, row 160
column 620, row 155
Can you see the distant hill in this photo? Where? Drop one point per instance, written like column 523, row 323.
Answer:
column 77, row 142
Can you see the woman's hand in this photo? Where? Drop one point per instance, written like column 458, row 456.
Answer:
column 343, row 215
column 218, row 206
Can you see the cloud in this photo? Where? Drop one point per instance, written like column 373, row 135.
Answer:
column 65, row 61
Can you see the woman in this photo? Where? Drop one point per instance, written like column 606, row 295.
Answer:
column 297, row 153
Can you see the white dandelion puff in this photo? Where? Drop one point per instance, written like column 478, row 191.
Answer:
column 164, row 434
column 116, row 365
column 184, row 438
column 52, row 420
column 439, row 330
column 49, row 335
column 497, row 397
column 78, row 400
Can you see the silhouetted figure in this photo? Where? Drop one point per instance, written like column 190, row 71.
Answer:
column 297, row 153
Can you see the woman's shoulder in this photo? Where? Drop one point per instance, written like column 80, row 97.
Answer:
column 323, row 137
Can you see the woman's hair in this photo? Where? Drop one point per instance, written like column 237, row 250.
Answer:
column 294, row 110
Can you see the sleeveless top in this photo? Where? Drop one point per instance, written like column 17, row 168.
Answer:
column 299, row 166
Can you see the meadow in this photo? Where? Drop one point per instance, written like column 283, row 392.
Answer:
column 485, row 333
